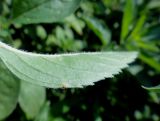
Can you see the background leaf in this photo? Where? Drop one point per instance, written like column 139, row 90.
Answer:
column 66, row 70
column 42, row 11
column 44, row 114
column 128, row 17
column 154, row 88
column 99, row 29
column 9, row 91
column 31, row 99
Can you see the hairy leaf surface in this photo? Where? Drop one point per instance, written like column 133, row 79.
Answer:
column 64, row 70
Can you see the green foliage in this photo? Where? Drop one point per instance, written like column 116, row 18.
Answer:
column 67, row 70
column 128, row 19
column 155, row 88
column 9, row 90
column 31, row 99
column 44, row 115
column 97, row 25
column 98, row 28
column 40, row 11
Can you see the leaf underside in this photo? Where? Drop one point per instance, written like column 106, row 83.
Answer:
column 65, row 70
column 42, row 11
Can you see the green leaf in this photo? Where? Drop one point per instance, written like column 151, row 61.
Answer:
column 42, row 11
column 128, row 17
column 31, row 99
column 41, row 32
column 44, row 114
column 9, row 91
column 155, row 88
column 139, row 26
column 76, row 23
column 150, row 61
column 153, row 4
column 65, row 70
column 99, row 29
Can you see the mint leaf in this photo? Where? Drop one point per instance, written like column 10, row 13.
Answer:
column 65, row 70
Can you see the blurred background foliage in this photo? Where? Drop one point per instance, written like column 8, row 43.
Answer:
column 98, row 25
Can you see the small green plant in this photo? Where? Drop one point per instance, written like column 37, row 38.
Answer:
column 54, row 71
column 25, row 75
